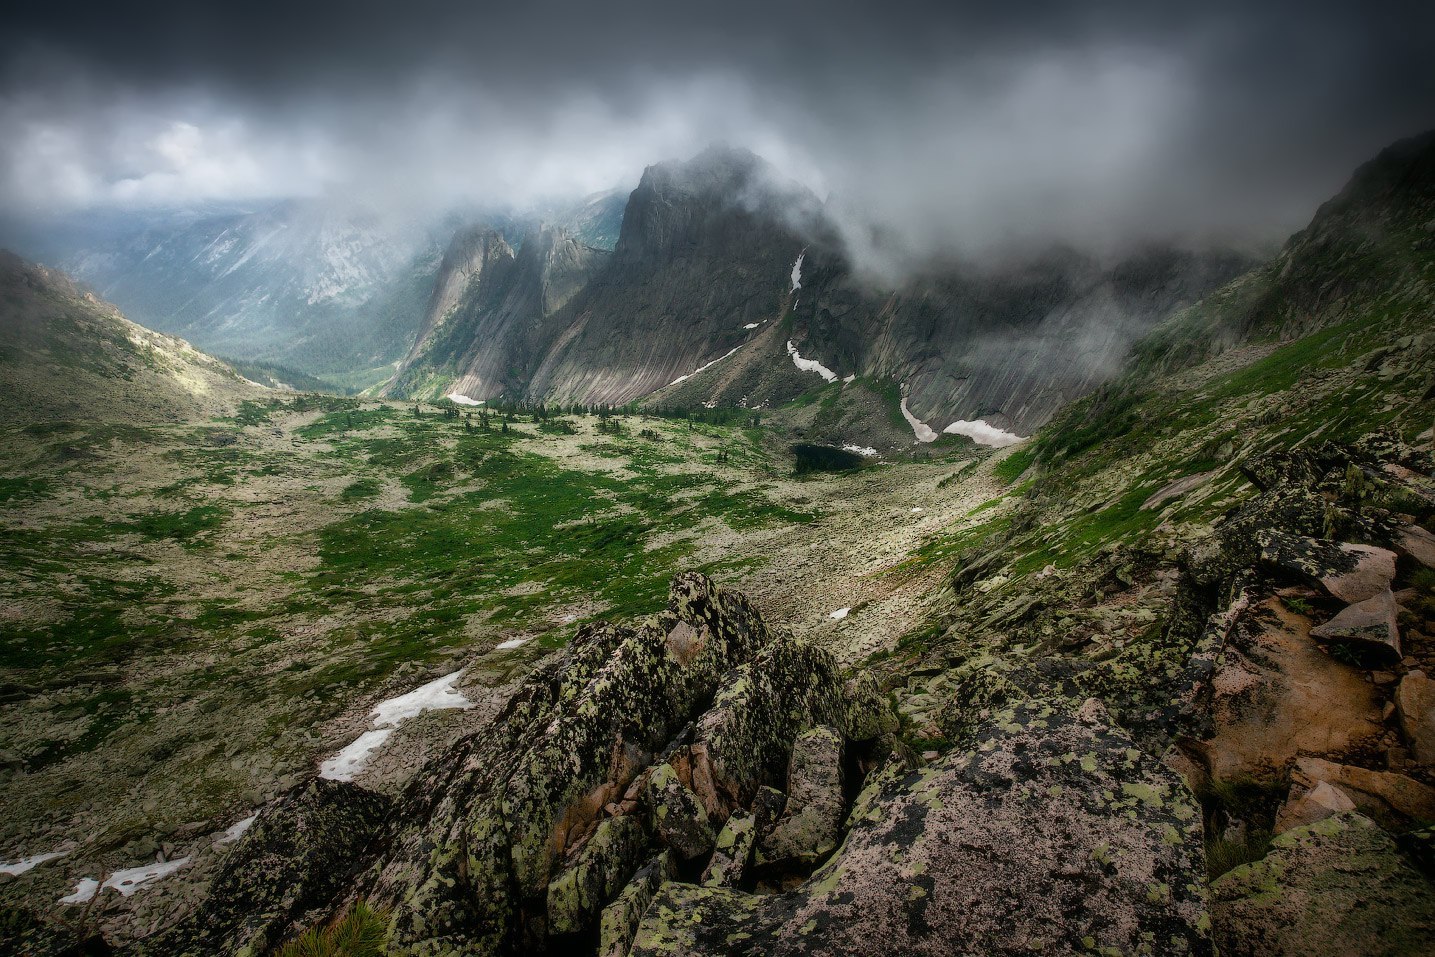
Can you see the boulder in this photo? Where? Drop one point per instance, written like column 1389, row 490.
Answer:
column 1415, row 704
column 760, row 708
column 1351, row 573
column 733, row 851
column 1330, row 889
column 1052, row 834
column 869, row 711
column 486, row 826
column 1370, row 627
column 1307, row 805
column 600, row 868
column 678, row 816
column 813, row 822
column 1417, row 544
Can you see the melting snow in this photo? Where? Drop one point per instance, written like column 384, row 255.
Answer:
column 126, row 882
column 236, row 830
column 983, row 434
column 797, row 273
column 920, row 429
column 460, row 399
column 25, row 864
column 752, row 325
column 511, row 644
column 839, row 614
column 917, row 508
column 860, row 450
column 810, row 365
column 850, row 379
column 437, row 695
column 684, row 378
column 129, row 881
column 84, row 892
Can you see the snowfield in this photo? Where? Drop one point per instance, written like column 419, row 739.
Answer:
column 24, row 864
column 126, row 881
column 920, row 429
column 236, row 830
column 797, row 273
column 860, row 450
column 983, row 434
column 810, row 365
column 437, row 695
column 839, row 614
column 458, row 398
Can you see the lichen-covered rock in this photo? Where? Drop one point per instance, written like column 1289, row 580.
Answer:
column 23, row 934
column 761, row 707
column 869, row 711
column 304, row 848
column 600, row 869
column 1331, row 889
column 1368, row 626
column 1351, row 573
column 813, row 822
column 483, row 830
column 620, row 919
column 1415, row 704
column 732, row 852
column 678, row 816
column 1053, row 835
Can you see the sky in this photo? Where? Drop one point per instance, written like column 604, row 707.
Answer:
column 950, row 126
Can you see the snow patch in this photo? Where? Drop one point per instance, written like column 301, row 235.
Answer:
column 983, row 434
column 797, row 272
column 511, row 643
column 236, row 830
column 458, row 398
column 704, row 368
column 437, row 695
column 839, row 614
column 860, row 450
column 131, row 880
column 752, row 325
column 28, row 863
column 920, row 429
column 810, row 365
column 916, row 509
column 850, row 379
column 84, row 892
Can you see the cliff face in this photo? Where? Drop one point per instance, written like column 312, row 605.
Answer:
column 487, row 326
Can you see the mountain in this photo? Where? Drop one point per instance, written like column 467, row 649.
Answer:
column 595, row 220
column 725, row 280
column 68, row 356
column 321, row 286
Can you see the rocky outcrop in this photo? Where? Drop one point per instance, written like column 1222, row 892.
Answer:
column 1336, row 887
column 1052, row 834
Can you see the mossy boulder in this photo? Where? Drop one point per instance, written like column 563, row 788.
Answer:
column 600, row 868
column 813, row 822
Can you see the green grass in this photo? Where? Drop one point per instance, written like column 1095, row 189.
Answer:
column 1014, row 466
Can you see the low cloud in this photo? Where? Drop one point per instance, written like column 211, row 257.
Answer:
column 933, row 131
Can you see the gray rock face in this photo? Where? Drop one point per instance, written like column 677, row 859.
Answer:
column 486, row 327
column 1336, row 887
column 1052, row 835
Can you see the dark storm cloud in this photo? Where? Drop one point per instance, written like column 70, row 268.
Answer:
column 950, row 126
